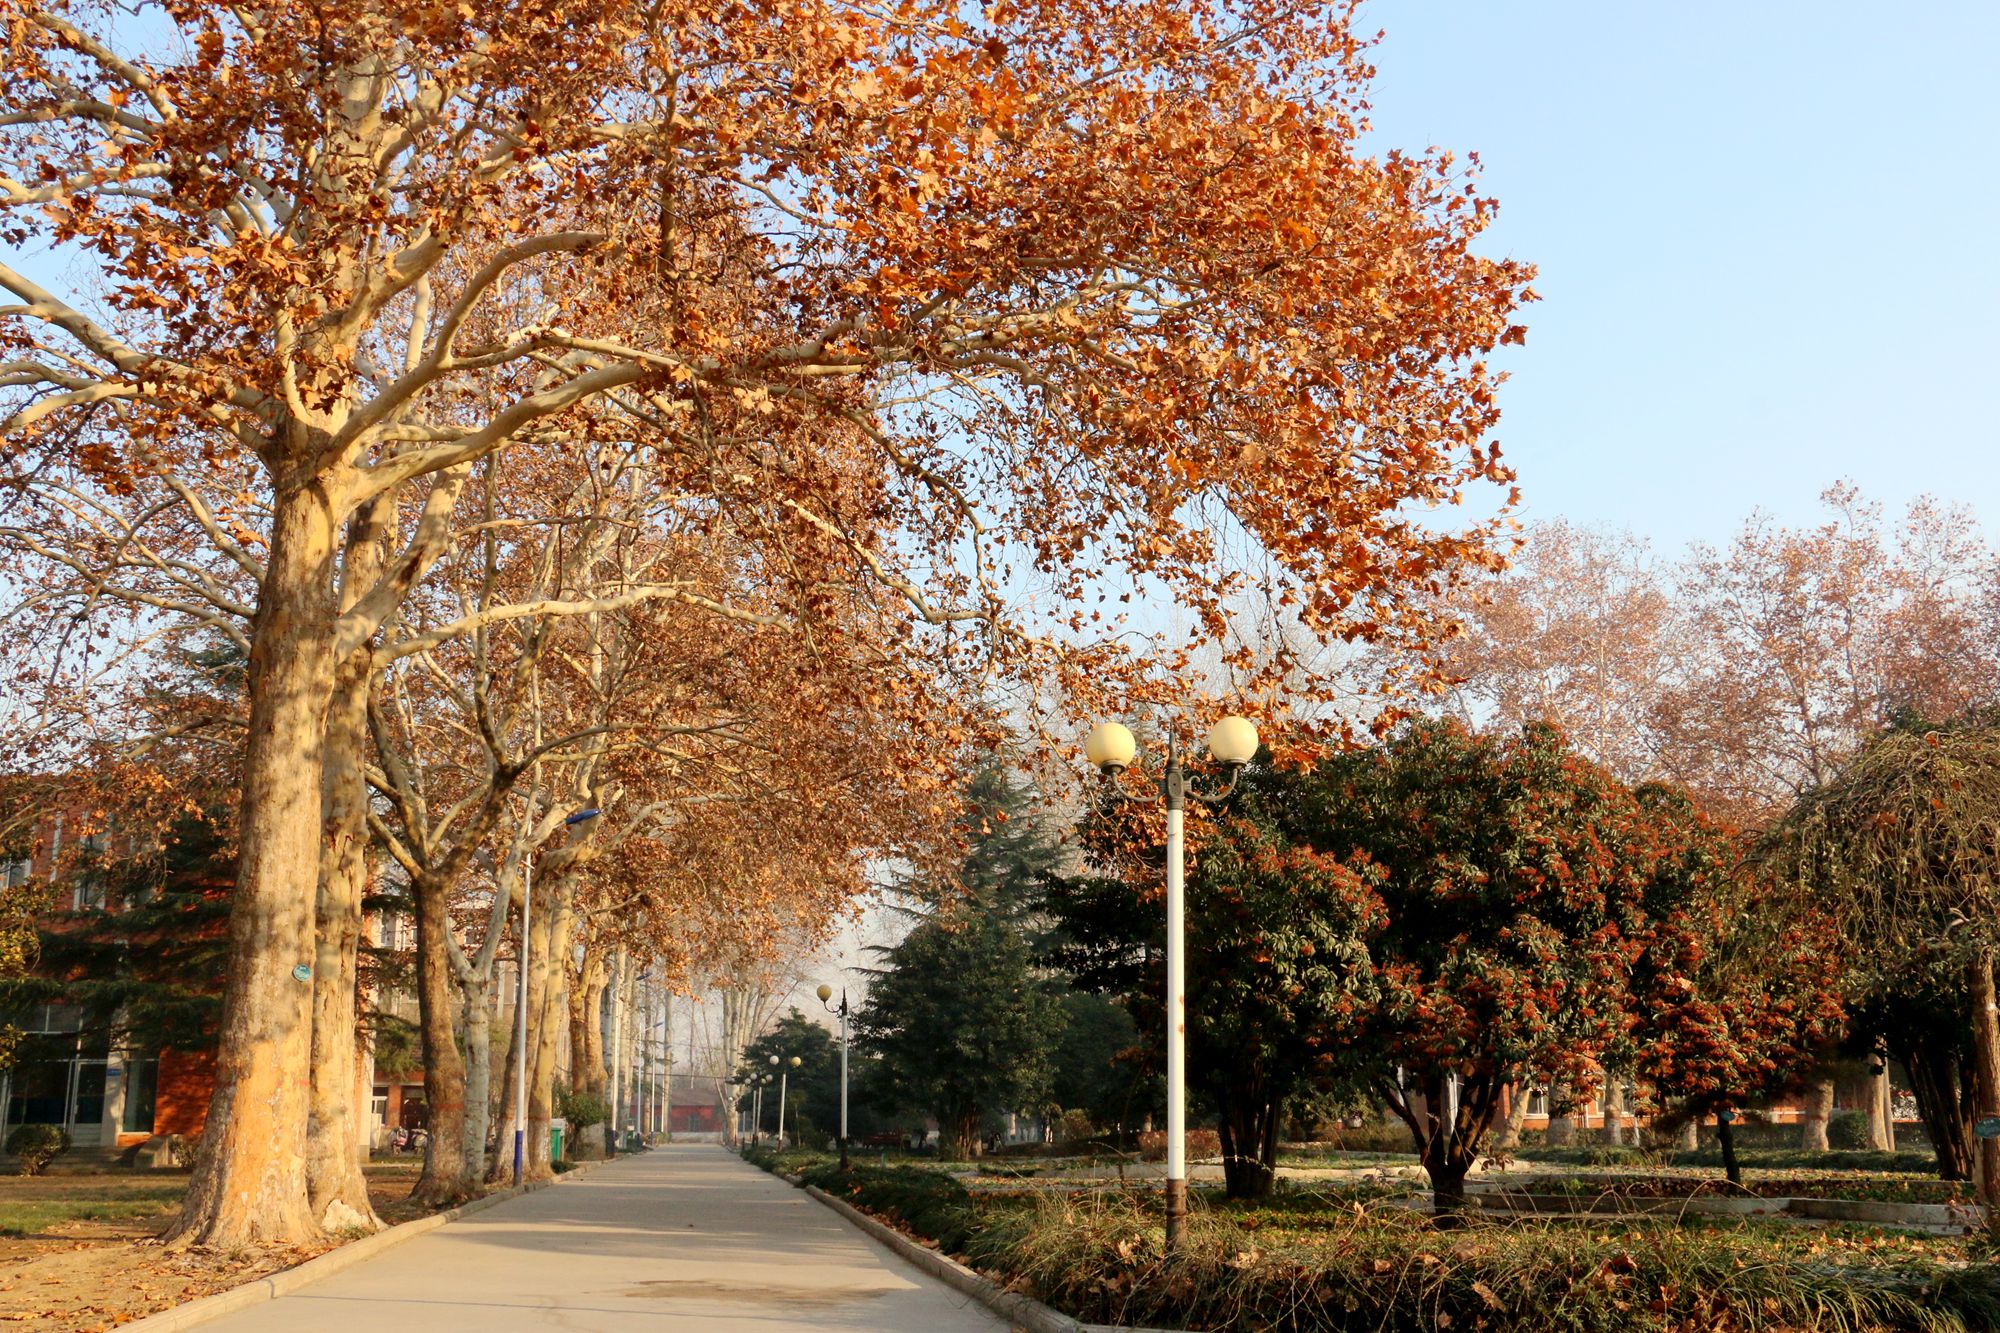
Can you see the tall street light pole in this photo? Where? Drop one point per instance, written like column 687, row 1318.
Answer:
column 784, row 1089
column 1111, row 748
column 521, row 1003
column 825, row 993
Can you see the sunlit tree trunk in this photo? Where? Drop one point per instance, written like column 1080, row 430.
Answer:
column 1881, row 1111
column 335, row 1143
column 448, row 1175
column 249, row 1188
column 1509, row 1136
column 1817, row 1112
column 587, row 1031
column 475, row 1005
column 500, row 1166
column 548, row 1004
column 1562, row 1128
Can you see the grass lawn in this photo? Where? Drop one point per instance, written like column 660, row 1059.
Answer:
column 38, row 1205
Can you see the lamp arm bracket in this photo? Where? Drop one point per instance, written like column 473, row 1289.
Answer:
column 1218, row 797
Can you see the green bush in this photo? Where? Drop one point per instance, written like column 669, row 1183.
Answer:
column 1075, row 1127
column 926, row 1203
column 35, row 1146
column 807, row 1134
column 580, row 1109
column 1847, row 1131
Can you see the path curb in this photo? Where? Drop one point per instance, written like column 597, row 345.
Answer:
column 285, row 1280
column 1024, row 1311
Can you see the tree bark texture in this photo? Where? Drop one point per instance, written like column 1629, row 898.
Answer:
column 1725, row 1135
column 1881, row 1111
column 1986, row 1079
column 476, row 1007
column 336, row 1137
column 553, row 929
column 588, row 1071
column 448, row 1176
column 248, row 1188
column 1614, row 1111
column 1509, row 1136
column 500, row 1167
column 1813, row 1118
column 1248, row 1129
column 1944, row 1101
column 958, row 1133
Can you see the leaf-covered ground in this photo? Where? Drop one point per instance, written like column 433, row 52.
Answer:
column 77, row 1253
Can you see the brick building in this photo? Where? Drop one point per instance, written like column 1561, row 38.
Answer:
column 111, row 1096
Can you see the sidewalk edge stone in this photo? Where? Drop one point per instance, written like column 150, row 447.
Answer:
column 273, row 1285
column 1024, row 1311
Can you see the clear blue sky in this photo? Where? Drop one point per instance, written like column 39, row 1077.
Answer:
column 1769, row 241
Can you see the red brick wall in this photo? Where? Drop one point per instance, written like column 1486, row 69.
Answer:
column 696, row 1119
column 181, row 1102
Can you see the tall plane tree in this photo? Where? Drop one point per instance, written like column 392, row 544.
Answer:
column 1050, row 289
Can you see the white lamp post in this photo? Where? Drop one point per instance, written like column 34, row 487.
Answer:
column 825, row 993
column 521, row 1005
column 1110, row 747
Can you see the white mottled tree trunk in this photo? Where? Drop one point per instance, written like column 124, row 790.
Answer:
column 249, row 1188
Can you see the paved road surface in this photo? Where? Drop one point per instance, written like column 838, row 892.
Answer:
column 681, row 1238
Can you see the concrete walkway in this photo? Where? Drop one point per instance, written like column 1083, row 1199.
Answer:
column 681, row 1238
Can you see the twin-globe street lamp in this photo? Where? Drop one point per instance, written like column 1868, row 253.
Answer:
column 784, row 1079
column 825, row 993
column 521, row 1003
column 1110, row 747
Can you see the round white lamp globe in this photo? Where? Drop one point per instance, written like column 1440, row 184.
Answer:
column 1110, row 747
column 1233, row 741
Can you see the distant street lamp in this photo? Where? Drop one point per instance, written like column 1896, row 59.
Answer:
column 825, row 993
column 1110, row 748
column 521, row 1004
column 784, row 1089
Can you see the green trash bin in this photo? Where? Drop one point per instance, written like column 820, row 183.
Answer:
column 555, row 1143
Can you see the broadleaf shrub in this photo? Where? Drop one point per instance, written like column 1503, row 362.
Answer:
column 580, row 1109
column 926, row 1203
column 1847, row 1131
column 35, row 1146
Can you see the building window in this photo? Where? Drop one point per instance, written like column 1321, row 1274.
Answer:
column 1538, row 1102
column 15, row 873
column 142, row 1085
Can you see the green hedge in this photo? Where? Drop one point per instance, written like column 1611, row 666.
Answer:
column 926, row 1203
